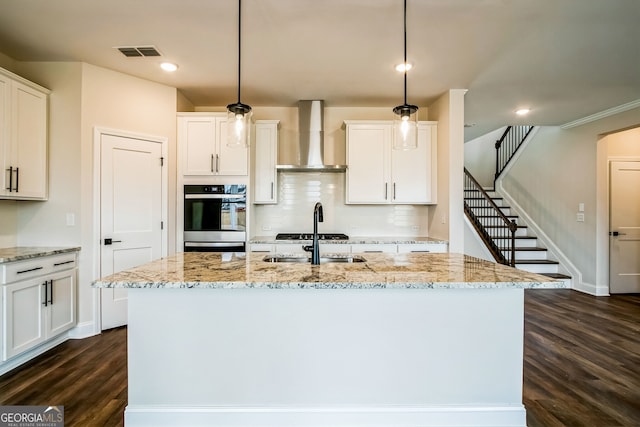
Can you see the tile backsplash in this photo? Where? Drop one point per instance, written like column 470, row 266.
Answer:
column 298, row 192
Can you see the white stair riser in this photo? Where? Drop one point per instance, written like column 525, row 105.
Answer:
column 528, row 255
column 538, row 268
column 521, row 243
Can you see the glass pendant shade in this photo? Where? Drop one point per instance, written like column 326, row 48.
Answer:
column 238, row 123
column 405, row 127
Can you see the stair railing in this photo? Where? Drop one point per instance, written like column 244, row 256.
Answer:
column 508, row 144
column 484, row 214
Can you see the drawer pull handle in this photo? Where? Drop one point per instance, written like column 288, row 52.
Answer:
column 417, row 252
column 372, row 252
column 62, row 263
column 29, row 270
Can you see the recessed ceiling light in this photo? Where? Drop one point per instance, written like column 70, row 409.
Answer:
column 523, row 111
column 403, row 67
column 168, row 66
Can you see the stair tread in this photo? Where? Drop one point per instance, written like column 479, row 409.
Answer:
column 536, row 261
column 556, row 275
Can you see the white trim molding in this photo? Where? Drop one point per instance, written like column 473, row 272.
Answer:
column 602, row 114
column 391, row 416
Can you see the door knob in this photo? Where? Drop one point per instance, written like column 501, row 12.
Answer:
column 110, row 241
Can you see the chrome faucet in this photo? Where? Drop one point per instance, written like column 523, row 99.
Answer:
column 315, row 246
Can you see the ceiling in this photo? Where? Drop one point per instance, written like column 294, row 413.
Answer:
column 564, row 59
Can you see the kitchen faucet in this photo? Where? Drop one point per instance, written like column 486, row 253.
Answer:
column 315, row 246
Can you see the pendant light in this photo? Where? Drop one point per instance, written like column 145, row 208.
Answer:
column 405, row 123
column 238, row 114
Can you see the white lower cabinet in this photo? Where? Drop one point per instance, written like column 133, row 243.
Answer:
column 38, row 308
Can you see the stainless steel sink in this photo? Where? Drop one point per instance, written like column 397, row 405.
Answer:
column 323, row 259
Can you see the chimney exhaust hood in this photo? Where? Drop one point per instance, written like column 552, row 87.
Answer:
column 311, row 140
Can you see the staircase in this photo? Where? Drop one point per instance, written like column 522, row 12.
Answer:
column 529, row 254
column 504, row 233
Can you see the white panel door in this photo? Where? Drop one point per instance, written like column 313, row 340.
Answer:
column 131, row 214
column 624, row 253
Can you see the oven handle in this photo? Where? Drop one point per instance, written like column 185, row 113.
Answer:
column 212, row 244
column 215, row 196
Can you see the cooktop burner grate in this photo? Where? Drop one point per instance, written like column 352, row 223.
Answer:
column 309, row 236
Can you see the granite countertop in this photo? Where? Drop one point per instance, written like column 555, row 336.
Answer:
column 20, row 253
column 380, row 271
column 370, row 240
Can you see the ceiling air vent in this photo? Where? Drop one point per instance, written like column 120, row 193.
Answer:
column 138, row 51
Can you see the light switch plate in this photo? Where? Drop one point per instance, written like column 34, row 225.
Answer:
column 580, row 217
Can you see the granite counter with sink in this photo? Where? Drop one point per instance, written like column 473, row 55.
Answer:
column 224, row 339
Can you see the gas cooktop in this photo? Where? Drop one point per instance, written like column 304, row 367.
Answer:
column 309, row 236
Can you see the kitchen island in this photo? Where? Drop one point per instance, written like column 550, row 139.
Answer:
column 225, row 339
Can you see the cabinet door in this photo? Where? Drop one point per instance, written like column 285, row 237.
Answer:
column 23, row 316
column 61, row 313
column 368, row 163
column 5, row 135
column 197, row 140
column 411, row 171
column 29, row 141
column 266, row 152
column 229, row 160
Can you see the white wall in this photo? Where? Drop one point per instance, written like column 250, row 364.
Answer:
column 555, row 172
column 446, row 219
column 480, row 157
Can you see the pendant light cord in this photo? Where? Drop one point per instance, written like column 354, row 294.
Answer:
column 405, row 52
column 240, row 44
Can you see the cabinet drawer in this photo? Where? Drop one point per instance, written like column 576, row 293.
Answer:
column 261, row 247
column 422, row 247
column 22, row 270
column 388, row 248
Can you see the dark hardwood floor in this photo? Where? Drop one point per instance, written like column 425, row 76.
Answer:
column 581, row 367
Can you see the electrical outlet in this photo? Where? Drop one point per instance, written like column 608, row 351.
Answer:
column 580, row 217
column 443, row 219
column 266, row 228
column 71, row 219
column 415, row 228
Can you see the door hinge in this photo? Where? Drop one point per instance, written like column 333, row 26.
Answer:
column 161, row 225
column 161, row 161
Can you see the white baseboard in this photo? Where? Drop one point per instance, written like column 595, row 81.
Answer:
column 83, row 330
column 391, row 416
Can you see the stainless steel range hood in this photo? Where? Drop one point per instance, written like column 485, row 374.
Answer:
column 310, row 156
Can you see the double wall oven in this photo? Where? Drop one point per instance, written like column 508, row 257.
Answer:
column 215, row 218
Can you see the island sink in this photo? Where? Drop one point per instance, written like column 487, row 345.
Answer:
column 323, row 259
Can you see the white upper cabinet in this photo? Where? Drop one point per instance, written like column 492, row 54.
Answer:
column 377, row 174
column 202, row 143
column 368, row 153
column 265, row 185
column 23, row 138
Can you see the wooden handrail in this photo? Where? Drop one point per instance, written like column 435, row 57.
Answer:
column 471, row 184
